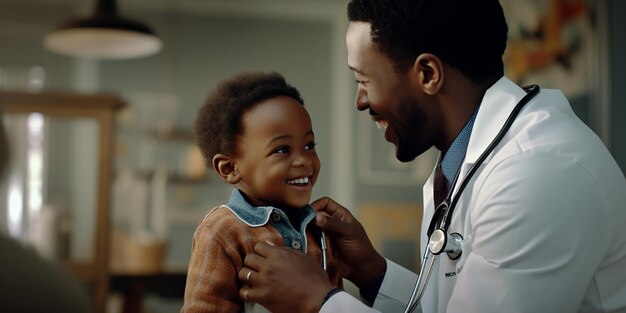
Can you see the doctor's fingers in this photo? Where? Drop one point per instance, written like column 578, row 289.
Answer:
column 246, row 275
column 346, row 229
column 328, row 211
column 276, row 282
column 328, row 205
column 250, row 294
column 269, row 250
column 265, row 259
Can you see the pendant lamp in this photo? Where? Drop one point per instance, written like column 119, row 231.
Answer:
column 104, row 35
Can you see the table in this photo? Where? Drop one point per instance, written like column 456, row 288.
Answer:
column 133, row 287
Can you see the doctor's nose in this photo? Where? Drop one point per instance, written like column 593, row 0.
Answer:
column 361, row 101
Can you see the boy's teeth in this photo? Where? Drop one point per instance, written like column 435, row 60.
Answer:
column 382, row 124
column 304, row 180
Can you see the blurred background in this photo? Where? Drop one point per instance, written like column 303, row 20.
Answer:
column 105, row 177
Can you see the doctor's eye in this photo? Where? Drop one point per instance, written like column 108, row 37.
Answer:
column 360, row 82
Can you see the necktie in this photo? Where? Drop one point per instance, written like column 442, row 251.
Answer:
column 440, row 186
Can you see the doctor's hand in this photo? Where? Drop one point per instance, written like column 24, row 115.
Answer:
column 283, row 280
column 358, row 261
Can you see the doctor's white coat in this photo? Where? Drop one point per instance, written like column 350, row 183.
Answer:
column 543, row 220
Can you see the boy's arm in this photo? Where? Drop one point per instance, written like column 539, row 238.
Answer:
column 212, row 284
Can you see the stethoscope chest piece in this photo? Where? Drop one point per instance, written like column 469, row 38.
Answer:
column 440, row 242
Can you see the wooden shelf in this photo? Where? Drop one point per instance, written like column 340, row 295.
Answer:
column 174, row 135
column 172, row 177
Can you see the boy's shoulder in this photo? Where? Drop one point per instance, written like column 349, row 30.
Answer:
column 221, row 222
column 219, row 214
column 222, row 225
column 223, row 218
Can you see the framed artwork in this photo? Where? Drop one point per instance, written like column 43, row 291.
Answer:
column 562, row 44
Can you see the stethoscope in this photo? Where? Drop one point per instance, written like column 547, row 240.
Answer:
column 322, row 238
column 323, row 246
column 439, row 240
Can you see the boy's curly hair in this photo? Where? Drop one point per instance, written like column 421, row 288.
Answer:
column 218, row 123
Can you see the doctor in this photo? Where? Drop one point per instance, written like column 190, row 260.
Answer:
column 542, row 219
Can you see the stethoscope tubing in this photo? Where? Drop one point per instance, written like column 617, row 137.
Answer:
column 531, row 93
column 323, row 246
column 415, row 297
column 447, row 206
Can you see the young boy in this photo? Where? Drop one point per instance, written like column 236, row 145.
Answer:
column 256, row 134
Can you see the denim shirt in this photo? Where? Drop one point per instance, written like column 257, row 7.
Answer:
column 261, row 215
column 453, row 158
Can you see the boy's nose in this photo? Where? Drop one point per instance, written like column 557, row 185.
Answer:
column 302, row 161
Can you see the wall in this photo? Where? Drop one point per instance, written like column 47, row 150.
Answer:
column 21, row 30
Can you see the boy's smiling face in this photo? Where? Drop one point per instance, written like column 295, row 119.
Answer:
column 276, row 159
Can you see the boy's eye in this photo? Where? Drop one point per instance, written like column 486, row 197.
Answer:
column 282, row 150
column 360, row 82
column 310, row 145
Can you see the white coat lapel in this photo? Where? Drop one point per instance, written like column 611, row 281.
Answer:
column 495, row 108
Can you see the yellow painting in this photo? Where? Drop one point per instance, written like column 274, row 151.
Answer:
column 394, row 230
column 551, row 43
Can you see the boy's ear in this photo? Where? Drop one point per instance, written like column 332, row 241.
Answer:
column 225, row 167
column 430, row 73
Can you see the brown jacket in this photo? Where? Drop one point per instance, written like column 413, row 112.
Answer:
column 219, row 247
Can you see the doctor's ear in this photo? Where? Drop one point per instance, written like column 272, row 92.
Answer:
column 429, row 69
column 225, row 167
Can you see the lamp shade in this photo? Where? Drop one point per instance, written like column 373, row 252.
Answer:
column 105, row 35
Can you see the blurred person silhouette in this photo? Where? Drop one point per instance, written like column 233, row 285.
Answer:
column 29, row 283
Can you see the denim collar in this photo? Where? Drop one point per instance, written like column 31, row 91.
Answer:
column 260, row 215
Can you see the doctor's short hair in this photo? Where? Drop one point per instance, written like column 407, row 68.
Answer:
column 468, row 35
column 219, row 120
